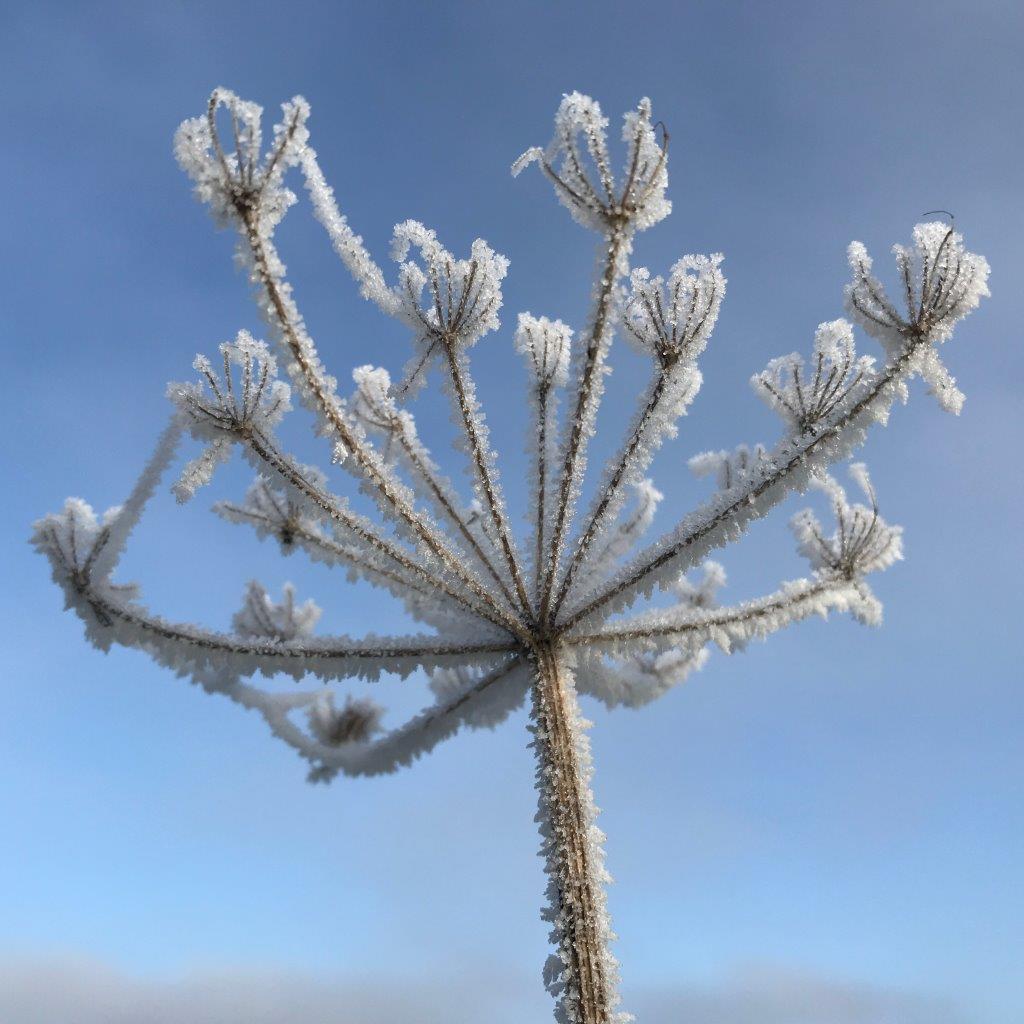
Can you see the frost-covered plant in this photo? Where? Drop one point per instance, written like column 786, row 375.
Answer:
column 508, row 618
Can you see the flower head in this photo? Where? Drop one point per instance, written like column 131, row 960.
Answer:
column 587, row 187
column 729, row 468
column 862, row 542
column 941, row 284
column 255, row 400
column 545, row 344
column 275, row 511
column 805, row 397
column 356, row 722
column 72, row 540
column 238, row 181
column 673, row 320
column 462, row 296
column 260, row 617
column 231, row 408
column 374, row 408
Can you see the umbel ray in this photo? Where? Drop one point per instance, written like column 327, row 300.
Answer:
column 549, row 615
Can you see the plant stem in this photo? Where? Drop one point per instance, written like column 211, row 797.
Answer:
column 584, row 971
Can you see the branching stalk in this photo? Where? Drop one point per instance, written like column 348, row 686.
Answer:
column 462, row 575
column 805, row 448
column 288, row 471
column 368, row 466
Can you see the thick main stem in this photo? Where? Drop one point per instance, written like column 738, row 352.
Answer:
column 583, row 974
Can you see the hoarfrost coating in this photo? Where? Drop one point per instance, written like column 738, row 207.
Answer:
column 541, row 614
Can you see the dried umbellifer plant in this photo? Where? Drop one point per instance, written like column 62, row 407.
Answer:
column 544, row 617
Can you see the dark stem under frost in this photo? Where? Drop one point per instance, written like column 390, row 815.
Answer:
column 577, row 440
column 581, row 977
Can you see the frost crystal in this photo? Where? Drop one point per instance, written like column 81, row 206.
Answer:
column 508, row 618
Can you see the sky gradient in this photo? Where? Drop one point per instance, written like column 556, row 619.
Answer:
column 826, row 829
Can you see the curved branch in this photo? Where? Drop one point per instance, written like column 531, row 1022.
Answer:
column 191, row 649
column 105, row 556
column 494, row 696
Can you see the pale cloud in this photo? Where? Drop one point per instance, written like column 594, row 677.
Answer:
column 780, row 995
column 66, row 990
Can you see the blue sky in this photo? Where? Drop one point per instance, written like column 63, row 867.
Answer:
column 826, row 829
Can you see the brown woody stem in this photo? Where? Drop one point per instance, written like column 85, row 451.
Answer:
column 570, row 846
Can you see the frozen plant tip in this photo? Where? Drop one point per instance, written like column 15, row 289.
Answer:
column 508, row 618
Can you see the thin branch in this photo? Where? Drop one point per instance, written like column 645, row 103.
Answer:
column 483, row 472
column 334, row 552
column 378, row 654
column 577, row 442
column 793, row 600
column 444, row 502
column 543, row 394
column 612, row 488
column 289, row 471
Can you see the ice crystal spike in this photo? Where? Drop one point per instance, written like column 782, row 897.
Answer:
column 502, row 624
